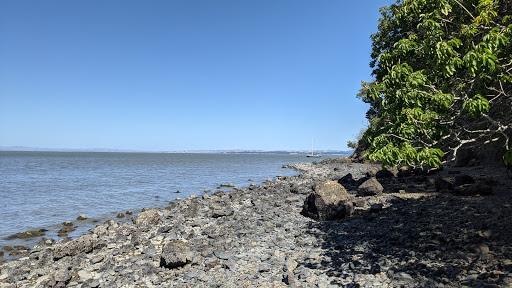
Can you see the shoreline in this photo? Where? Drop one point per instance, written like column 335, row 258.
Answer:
column 20, row 243
column 256, row 236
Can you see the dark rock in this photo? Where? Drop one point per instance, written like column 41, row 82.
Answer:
column 27, row 234
column 370, row 187
column 376, row 207
column 466, row 157
column 66, row 228
column 444, row 184
column 349, row 182
column 463, row 180
column 175, row 254
column 120, row 215
column 329, row 201
column 473, row 189
column 81, row 217
column 404, row 171
column 384, row 173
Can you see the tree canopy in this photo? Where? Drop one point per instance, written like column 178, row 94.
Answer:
column 442, row 80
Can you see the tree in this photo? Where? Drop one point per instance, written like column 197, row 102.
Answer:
column 442, row 80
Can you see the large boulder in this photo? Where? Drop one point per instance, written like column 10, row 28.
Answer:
column 349, row 182
column 370, row 187
column 329, row 201
column 175, row 254
column 148, row 217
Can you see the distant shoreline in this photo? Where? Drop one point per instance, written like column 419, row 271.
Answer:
column 30, row 149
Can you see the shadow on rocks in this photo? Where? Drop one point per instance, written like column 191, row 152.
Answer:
column 428, row 241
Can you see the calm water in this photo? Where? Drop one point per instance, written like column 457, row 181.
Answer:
column 40, row 189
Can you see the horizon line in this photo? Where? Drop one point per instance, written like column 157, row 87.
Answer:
column 45, row 149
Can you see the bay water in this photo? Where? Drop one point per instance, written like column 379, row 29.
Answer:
column 41, row 189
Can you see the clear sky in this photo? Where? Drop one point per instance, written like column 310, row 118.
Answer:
column 183, row 74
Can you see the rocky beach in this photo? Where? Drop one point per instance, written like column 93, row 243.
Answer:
column 335, row 224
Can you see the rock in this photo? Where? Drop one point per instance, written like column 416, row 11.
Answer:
column 62, row 275
column 84, row 244
column 349, row 182
column 370, row 187
column 384, row 173
column 372, row 172
column 359, row 202
column 404, row 171
column 175, row 253
column 473, row 189
column 27, row 234
column 222, row 255
column 97, row 259
column 81, row 217
column 148, row 217
column 444, row 184
column 120, row 215
column 376, row 207
column 329, row 201
column 226, row 185
column 463, row 180
column 294, row 188
column 84, row 275
column 222, row 211
column 67, row 227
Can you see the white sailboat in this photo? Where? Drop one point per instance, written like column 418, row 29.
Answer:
column 312, row 155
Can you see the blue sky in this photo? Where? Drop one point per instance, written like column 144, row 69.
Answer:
column 183, row 75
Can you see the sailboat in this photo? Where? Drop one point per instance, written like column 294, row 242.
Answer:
column 312, row 155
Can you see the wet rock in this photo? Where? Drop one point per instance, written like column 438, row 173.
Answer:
column 175, row 253
column 148, row 217
column 120, row 215
column 27, row 234
column 66, row 228
column 81, row 217
column 370, row 187
column 226, row 185
column 329, row 201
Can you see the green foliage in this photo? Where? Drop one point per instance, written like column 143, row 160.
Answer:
column 435, row 62
column 507, row 158
column 476, row 106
